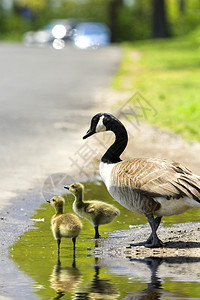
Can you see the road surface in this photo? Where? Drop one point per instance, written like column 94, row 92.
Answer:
column 46, row 100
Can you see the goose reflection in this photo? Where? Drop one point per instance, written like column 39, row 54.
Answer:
column 154, row 288
column 65, row 279
column 101, row 288
column 97, row 288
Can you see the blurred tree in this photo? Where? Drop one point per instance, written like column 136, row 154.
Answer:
column 34, row 5
column 113, row 15
column 128, row 20
column 134, row 20
column 183, row 15
column 182, row 6
column 160, row 26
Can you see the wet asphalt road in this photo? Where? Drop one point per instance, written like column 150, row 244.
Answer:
column 47, row 98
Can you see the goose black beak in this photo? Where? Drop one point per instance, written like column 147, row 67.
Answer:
column 66, row 187
column 48, row 201
column 89, row 133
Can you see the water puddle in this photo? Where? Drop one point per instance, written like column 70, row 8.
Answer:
column 89, row 277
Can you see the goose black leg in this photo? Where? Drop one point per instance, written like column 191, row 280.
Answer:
column 97, row 235
column 155, row 242
column 150, row 239
column 74, row 246
column 157, row 223
column 58, row 242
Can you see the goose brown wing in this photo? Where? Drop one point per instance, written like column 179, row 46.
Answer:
column 155, row 178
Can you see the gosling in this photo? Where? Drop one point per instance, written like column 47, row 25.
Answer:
column 96, row 212
column 64, row 224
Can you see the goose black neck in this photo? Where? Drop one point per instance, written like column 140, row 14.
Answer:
column 113, row 153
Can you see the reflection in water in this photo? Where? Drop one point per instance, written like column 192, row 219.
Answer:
column 101, row 288
column 65, row 279
column 112, row 276
column 68, row 280
column 154, row 288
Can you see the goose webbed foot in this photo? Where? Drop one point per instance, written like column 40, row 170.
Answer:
column 97, row 236
column 149, row 243
column 153, row 241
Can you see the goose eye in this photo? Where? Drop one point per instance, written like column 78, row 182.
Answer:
column 94, row 119
column 106, row 119
column 53, row 200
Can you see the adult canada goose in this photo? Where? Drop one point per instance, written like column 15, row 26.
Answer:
column 149, row 186
column 64, row 224
column 96, row 212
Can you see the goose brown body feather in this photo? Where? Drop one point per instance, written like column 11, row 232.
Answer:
column 141, row 183
column 151, row 186
column 157, row 177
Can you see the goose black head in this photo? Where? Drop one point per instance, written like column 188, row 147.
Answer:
column 100, row 122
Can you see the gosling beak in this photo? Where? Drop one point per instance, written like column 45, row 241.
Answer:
column 66, row 187
column 89, row 133
column 48, row 201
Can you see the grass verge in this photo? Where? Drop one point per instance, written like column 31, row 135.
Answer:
column 167, row 74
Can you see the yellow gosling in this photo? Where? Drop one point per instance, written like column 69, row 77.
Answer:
column 96, row 212
column 64, row 225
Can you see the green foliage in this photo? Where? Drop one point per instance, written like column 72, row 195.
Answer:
column 136, row 19
column 133, row 19
column 35, row 5
column 167, row 74
column 182, row 22
column 13, row 27
column 135, row 22
column 89, row 10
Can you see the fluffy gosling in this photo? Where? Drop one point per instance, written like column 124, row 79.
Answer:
column 64, row 224
column 96, row 212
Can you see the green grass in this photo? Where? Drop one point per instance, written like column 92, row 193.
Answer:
column 167, row 74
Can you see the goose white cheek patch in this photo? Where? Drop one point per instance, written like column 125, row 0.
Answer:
column 100, row 126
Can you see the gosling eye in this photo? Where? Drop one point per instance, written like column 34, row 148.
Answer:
column 53, row 200
column 73, row 186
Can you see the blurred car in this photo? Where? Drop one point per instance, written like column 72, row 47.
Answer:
column 91, row 35
column 57, row 31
